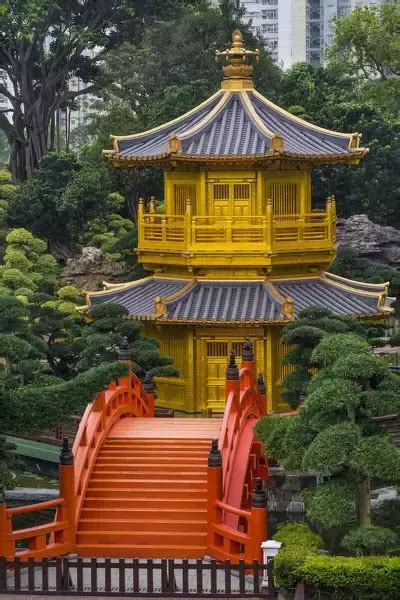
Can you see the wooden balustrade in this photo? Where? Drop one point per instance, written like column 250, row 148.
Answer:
column 49, row 539
column 264, row 233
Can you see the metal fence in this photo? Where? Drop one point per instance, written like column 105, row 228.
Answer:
column 71, row 576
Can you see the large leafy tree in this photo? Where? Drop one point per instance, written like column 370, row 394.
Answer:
column 334, row 433
column 170, row 71
column 333, row 98
column 62, row 196
column 366, row 41
column 43, row 43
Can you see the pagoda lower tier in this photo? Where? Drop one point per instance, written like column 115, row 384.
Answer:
column 199, row 321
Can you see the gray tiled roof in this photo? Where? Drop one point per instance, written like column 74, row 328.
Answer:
column 226, row 301
column 139, row 299
column 317, row 292
column 241, row 301
column 235, row 123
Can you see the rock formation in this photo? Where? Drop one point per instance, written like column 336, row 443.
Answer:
column 91, row 268
column 380, row 243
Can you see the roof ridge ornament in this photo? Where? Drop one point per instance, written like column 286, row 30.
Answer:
column 239, row 68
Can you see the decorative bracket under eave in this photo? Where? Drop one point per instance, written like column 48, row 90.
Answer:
column 174, row 144
column 277, row 143
column 160, row 308
column 288, row 309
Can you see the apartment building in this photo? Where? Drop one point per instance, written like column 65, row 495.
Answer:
column 298, row 30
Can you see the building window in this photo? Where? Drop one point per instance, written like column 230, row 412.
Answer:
column 270, row 14
column 221, row 191
column 183, row 192
column 217, row 349
column 284, row 198
column 241, row 191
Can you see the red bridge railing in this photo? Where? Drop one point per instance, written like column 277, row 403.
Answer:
column 124, row 397
column 234, row 533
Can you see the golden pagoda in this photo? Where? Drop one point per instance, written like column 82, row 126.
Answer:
column 240, row 250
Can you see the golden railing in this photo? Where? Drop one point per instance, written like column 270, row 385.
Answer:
column 266, row 233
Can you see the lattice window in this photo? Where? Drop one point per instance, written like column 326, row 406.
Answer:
column 223, row 348
column 221, row 191
column 217, row 348
column 282, row 369
column 176, row 348
column 183, row 192
column 241, row 191
column 285, row 198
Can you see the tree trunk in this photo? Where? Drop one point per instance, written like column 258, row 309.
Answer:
column 364, row 501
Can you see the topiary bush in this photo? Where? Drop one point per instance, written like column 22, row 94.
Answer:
column 298, row 542
column 298, row 535
column 369, row 540
column 344, row 578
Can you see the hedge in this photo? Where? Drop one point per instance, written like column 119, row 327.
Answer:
column 298, row 542
column 333, row 577
column 358, row 578
column 32, row 408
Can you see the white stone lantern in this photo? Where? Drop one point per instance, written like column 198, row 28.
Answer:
column 270, row 550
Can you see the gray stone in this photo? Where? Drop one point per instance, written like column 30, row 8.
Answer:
column 30, row 495
column 91, row 268
column 370, row 240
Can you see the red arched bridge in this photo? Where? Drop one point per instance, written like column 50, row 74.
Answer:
column 134, row 485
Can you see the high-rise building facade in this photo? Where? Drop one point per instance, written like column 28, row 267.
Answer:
column 298, row 30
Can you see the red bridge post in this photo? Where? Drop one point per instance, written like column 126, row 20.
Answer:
column 148, row 387
column 258, row 523
column 6, row 543
column 214, row 489
column 67, row 491
column 232, row 383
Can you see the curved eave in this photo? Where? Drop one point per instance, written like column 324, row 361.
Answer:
column 165, row 126
column 167, row 157
column 353, row 138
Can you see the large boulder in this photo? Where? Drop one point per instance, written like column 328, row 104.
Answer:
column 91, row 268
column 377, row 242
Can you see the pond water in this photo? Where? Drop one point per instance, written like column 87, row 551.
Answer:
column 31, row 480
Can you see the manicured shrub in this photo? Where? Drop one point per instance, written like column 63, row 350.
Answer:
column 369, row 540
column 35, row 408
column 298, row 542
column 298, row 535
column 342, row 577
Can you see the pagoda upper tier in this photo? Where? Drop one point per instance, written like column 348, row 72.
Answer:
column 237, row 184
column 236, row 124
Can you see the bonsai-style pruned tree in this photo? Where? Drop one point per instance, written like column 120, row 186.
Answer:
column 303, row 335
column 334, row 434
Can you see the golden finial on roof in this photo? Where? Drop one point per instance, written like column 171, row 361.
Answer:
column 239, row 68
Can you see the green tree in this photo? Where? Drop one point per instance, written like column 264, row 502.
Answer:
column 7, row 191
column 366, row 42
column 43, row 43
column 348, row 264
column 63, row 196
column 105, row 333
column 333, row 98
column 334, row 434
column 303, row 335
column 88, row 195
column 36, row 205
column 27, row 265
